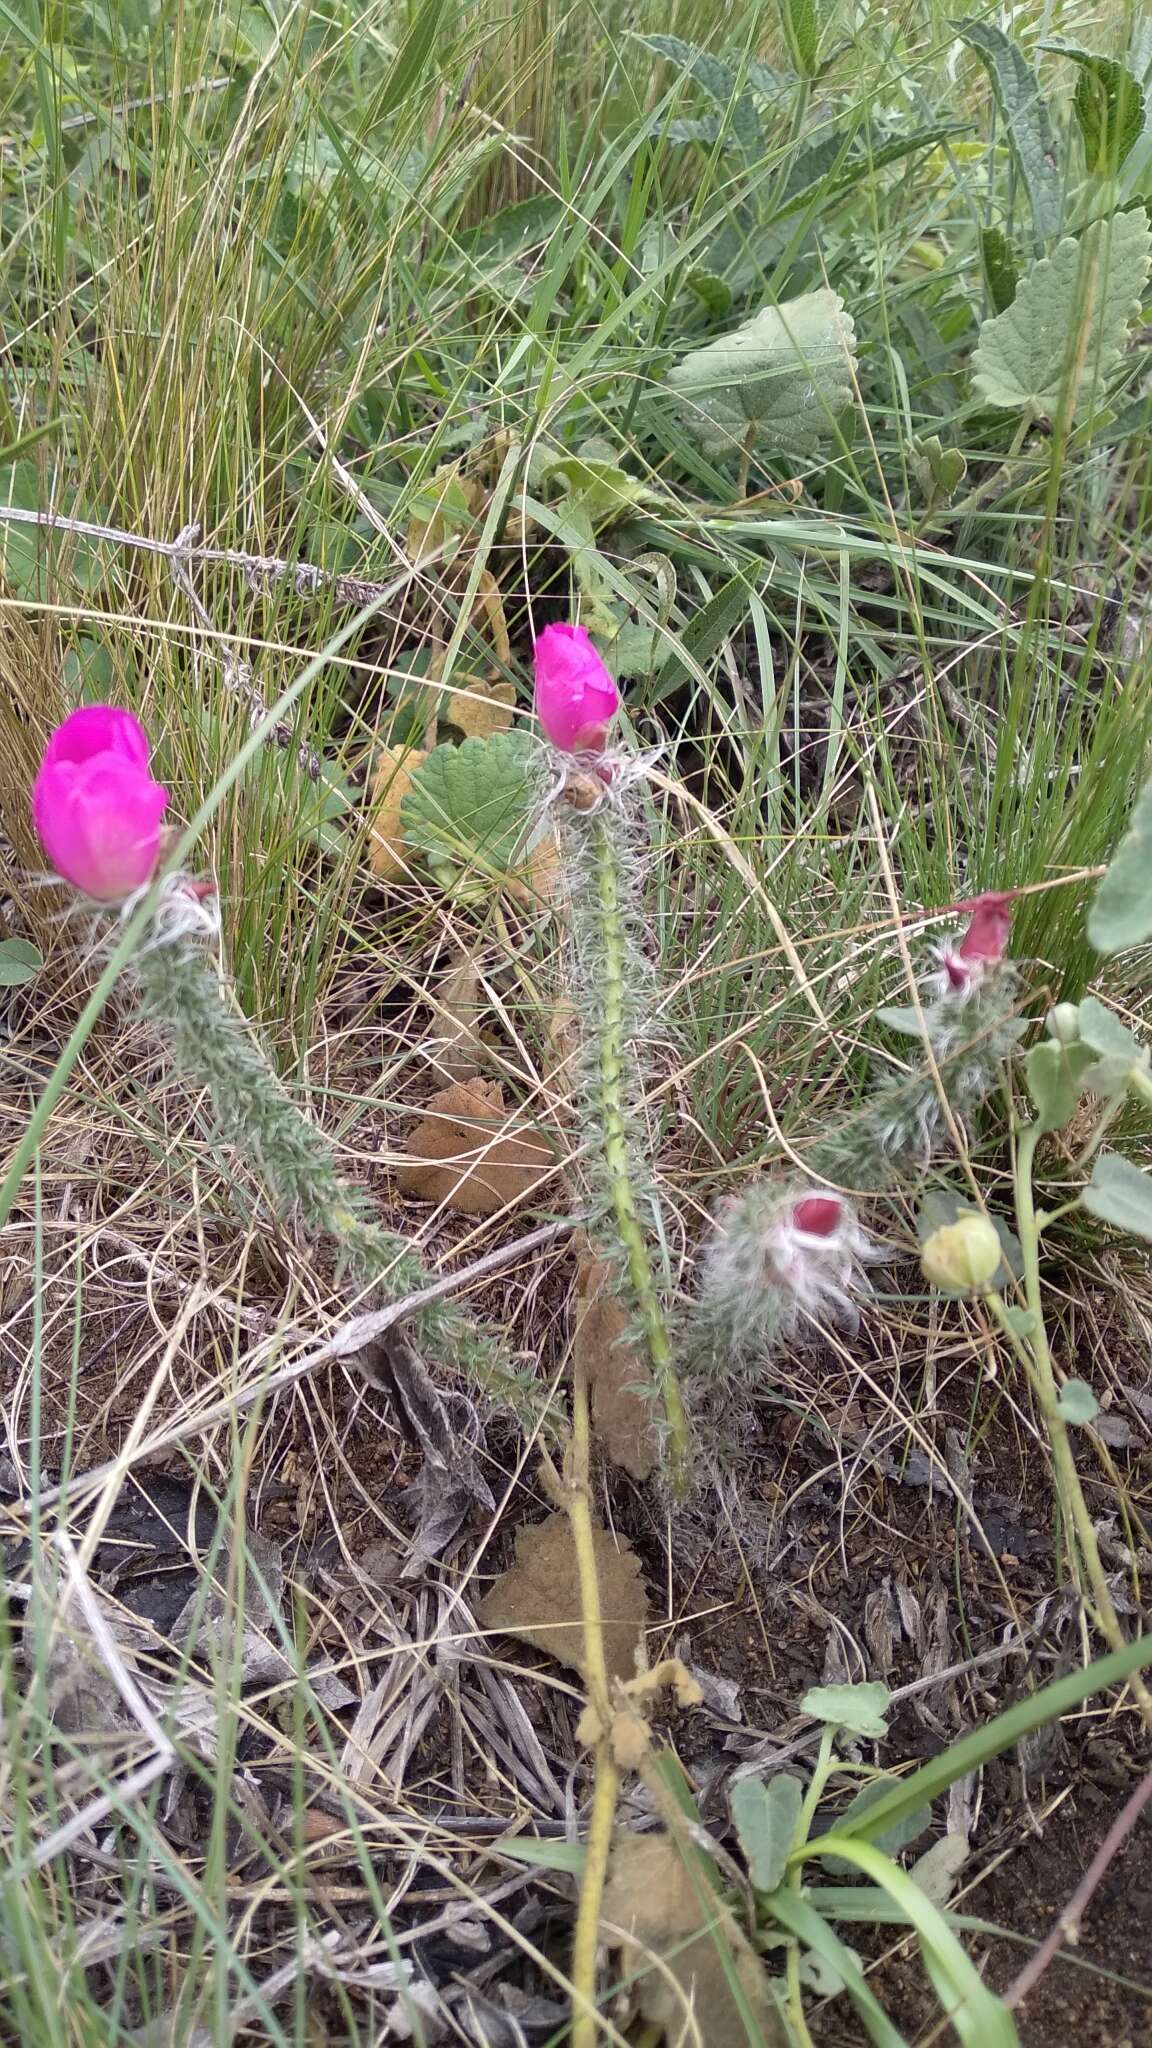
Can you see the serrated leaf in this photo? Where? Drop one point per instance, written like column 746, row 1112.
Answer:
column 472, row 805
column 765, row 1818
column 858, row 1708
column 1119, row 1193
column 1028, row 124
column 1108, row 102
column 538, row 1598
column 1121, row 916
column 1062, row 336
column 1001, row 273
column 1055, row 1076
column 1077, row 1402
column 786, row 373
column 1101, row 1029
column 738, row 116
column 20, row 961
column 907, row 1829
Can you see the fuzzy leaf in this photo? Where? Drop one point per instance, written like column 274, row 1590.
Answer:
column 1001, row 274
column 1055, row 1075
column 1064, row 332
column 858, row 1708
column 1026, row 117
column 765, row 1817
column 616, row 1369
column 936, row 1871
column 1108, row 102
column 666, row 1907
column 907, row 1829
column 538, row 1598
column 1077, row 1402
column 470, row 1153
column 20, row 961
column 1101, row 1029
column 786, row 373
column 1121, row 916
column 737, row 109
column 802, row 28
column 1119, row 1193
column 471, row 805
column 907, row 1022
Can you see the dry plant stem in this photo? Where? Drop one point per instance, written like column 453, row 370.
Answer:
column 1076, row 1511
column 1067, row 1928
column 611, row 1053
column 606, row 1776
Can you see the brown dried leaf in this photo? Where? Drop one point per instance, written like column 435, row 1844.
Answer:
column 540, row 880
column 657, row 1904
column 459, row 1005
column 615, row 1367
column 478, row 708
column 466, row 1155
column 538, row 1599
column 391, row 782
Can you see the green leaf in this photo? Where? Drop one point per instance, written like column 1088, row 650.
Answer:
column 738, row 118
column 1062, row 336
column 858, row 1708
column 20, row 961
column 1101, row 1029
column 793, row 1911
column 972, row 1751
column 907, row 1829
column 1001, row 274
column 765, row 1817
column 412, row 59
column 802, row 28
column 1021, row 1321
column 1121, row 916
column 472, row 805
column 1119, row 1193
column 785, row 373
column 557, row 1855
column 1108, row 102
column 907, row 1021
column 1055, row 1080
column 605, row 491
column 1026, row 116
column 939, row 471
column 1077, row 1402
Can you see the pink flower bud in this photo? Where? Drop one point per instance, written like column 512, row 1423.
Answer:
column 576, row 698
column 97, row 809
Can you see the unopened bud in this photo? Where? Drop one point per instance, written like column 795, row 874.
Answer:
column 962, row 1257
column 1064, row 1023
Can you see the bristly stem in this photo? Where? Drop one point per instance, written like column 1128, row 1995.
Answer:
column 606, row 1774
column 612, row 1050
column 180, row 992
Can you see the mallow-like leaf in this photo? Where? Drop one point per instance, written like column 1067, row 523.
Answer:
column 1061, row 338
column 786, row 372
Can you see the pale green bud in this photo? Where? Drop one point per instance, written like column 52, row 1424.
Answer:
column 962, row 1257
column 1064, row 1023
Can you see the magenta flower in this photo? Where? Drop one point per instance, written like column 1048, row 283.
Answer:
column 96, row 807
column 576, row 698
column 984, row 941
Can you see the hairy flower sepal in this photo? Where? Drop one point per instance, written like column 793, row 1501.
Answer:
column 782, row 1258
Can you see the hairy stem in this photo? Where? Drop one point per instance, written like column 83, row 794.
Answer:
column 180, row 992
column 614, row 1047
column 606, row 1775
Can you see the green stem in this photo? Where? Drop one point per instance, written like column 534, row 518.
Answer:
column 613, row 1050
column 1076, row 1511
